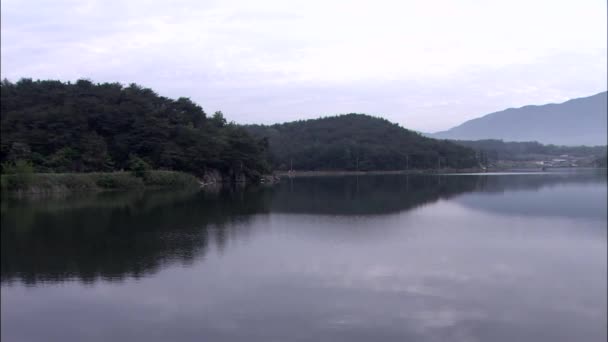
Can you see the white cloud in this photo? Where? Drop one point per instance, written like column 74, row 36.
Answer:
column 426, row 64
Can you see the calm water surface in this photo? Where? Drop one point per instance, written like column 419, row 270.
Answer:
column 368, row 258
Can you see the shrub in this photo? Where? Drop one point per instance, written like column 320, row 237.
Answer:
column 71, row 181
column 139, row 168
column 62, row 182
column 22, row 167
column 117, row 180
column 170, row 179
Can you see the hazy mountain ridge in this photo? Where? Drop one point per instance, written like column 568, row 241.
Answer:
column 580, row 121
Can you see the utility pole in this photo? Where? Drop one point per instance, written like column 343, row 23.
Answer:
column 290, row 172
column 407, row 161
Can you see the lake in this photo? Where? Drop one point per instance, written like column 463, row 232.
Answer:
column 508, row 257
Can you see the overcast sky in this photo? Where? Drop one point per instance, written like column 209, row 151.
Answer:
column 428, row 65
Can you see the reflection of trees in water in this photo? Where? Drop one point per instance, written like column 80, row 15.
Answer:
column 364, row 195
column 115, row 235
column 535, row 181
column 517, row 197
column 381, row 194
column 111, row 235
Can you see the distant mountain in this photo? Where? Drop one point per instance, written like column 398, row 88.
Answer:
column 579, row 121
column 356, row 142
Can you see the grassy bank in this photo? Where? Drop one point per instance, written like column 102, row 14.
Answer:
column 41, row 183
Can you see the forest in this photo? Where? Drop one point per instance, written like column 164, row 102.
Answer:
column 60, row 127
column 357, row 142
column 84, row 127
column 495, row 150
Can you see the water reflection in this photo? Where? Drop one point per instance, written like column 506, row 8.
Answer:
column 111, row 236
column 375, row 195
column 388, row 258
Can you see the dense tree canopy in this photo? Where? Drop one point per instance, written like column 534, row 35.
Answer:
column 357, row 142
column 82, row 127
column 501, row 150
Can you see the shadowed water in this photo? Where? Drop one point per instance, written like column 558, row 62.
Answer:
column 367, row 258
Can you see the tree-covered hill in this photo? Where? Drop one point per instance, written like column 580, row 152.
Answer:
column 496, row 150
column 357, row 142
column 83, row 127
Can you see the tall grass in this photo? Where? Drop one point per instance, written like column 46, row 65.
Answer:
column 170, row 179
column 39, row 183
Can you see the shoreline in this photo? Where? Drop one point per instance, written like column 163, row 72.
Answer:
column 282, row 174
column 387, row 172
column 53, row 183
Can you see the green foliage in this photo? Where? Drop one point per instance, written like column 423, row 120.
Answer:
column 21, row 167
column 63, row 160
column 16, row 174
column 218, row 119
column 64, row 182
column 41, row 183
column 356, row 142
column 88, row 127
column 139, row 168
column 495, row 150
column 171, row 179
column 117, row 180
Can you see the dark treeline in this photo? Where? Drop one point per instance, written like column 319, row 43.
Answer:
column 84, row 127
column 495, row 150
column 357, row 142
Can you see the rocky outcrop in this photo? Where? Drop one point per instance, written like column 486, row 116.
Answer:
column 210, row 177
column 213, row 176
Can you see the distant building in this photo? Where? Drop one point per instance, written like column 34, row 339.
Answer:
column 560, row 162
